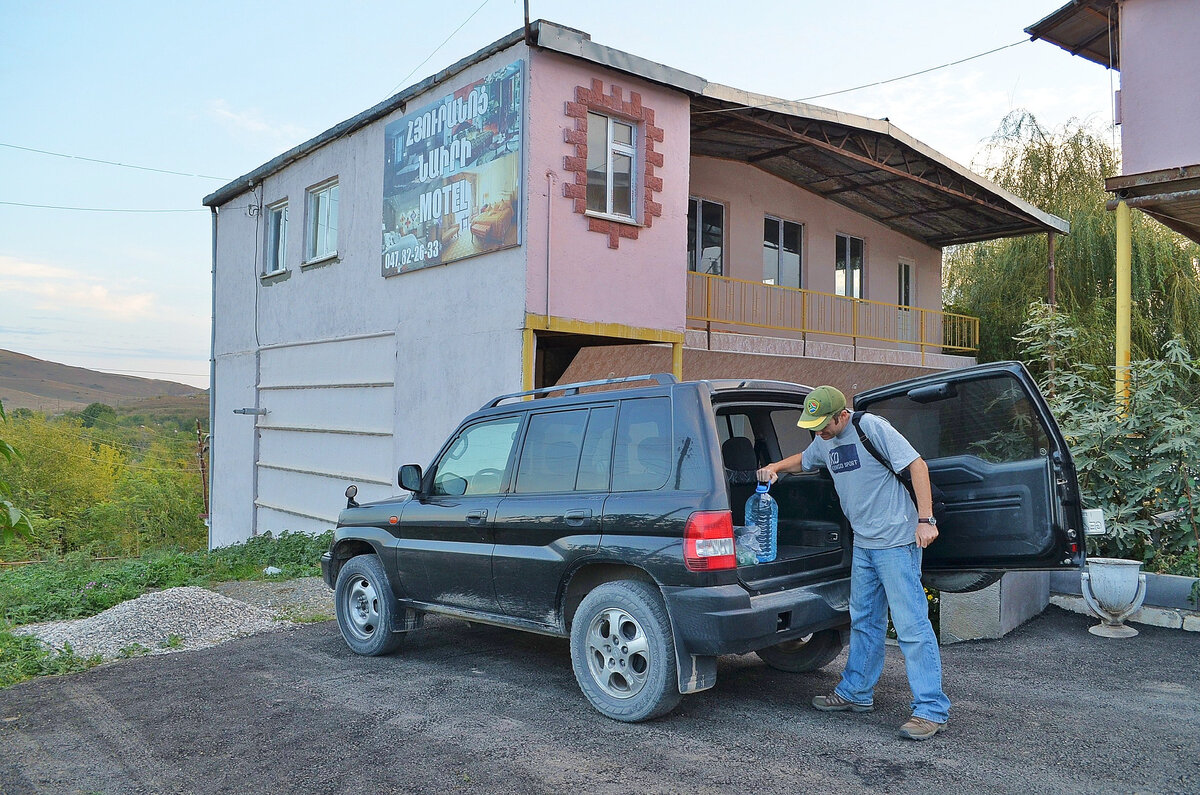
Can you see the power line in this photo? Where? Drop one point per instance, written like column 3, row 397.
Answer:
column 914, row 74
column 114, row 463
column 102, row 209
column 435, row 49
column 113, row 163
column 865, row 85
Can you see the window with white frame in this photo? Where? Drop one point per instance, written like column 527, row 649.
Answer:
column 322, row 222
column 781, row 252
column 611, row 166
column 706, row 237
column 848, row 266
column 276, row 248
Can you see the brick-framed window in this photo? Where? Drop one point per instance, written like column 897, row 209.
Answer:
column 629, row 132
column 611, row 166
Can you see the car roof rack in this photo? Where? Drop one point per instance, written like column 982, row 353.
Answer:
column 724, row 384
column 662, row 379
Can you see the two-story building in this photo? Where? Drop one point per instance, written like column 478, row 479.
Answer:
column 547, row 209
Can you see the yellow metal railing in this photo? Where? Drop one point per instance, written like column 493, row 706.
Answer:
column 717, row 299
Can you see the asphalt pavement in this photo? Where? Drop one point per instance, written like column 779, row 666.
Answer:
column 461, row 708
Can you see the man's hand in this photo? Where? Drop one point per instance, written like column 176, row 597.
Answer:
column 767, row 474
column 926, row 534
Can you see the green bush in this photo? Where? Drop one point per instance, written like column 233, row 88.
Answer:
column 1138, row 461
column 23, row 657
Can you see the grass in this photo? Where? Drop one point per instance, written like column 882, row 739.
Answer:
column 77, row 587
column 24, row 657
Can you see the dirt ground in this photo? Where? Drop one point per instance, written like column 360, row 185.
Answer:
column 465, row 708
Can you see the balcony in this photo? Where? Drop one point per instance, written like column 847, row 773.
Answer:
column 717, row 303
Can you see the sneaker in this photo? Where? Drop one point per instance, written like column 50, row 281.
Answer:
column 835, row 703
column 920, row 729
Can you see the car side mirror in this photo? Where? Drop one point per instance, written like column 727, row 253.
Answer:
column 409, row 477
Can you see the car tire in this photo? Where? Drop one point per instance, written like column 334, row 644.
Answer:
column 809, row 653
column 960, row 581
column 623, row 653
column 366, row 608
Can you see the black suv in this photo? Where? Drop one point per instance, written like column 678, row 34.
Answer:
column 604, row 512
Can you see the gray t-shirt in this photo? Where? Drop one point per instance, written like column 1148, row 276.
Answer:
column 878, row 506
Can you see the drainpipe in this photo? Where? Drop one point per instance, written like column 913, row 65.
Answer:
column 1124, row 302
column 212, row 371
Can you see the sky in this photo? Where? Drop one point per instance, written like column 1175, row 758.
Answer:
column 212, row 90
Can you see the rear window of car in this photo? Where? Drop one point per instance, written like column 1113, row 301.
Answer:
column 991, row 418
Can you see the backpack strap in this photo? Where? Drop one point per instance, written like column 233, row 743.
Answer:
column 868, row 444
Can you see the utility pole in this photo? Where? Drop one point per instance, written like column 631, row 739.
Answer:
column 201, row 454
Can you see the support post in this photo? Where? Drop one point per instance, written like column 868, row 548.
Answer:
column 677, row 360
column 527, row 343
column 1050, row 272
column 1124, row 302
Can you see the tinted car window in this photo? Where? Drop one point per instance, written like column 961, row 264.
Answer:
column 475, row 461
column 642, row 453
column 991, row 418
column 596, row 462
column 550, row 455
column 792, row 439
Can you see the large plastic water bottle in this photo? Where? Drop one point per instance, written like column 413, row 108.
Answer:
column 762, row 513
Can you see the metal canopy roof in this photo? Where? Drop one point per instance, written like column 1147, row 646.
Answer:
column 867, row 165
column 1087, row 28
column 1170, row 196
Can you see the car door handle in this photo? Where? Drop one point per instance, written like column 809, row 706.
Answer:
column 475, row 517
column 577, row 517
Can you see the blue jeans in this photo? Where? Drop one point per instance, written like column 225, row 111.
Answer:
column 879, row 579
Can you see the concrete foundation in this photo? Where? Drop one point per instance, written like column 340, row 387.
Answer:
column 996, row 610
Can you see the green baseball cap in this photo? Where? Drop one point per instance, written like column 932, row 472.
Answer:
column 820, row 405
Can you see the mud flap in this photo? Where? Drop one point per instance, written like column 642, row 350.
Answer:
column 407, row 620
column 696, row 672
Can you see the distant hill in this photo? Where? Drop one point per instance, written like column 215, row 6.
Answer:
column 26, row 382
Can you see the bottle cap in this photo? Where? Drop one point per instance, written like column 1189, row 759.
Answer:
column 762, row 488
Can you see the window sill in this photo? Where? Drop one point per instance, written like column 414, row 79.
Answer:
column 325, row 260
column 275, row 276
column 620, row 219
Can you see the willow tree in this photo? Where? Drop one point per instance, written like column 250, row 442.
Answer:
column 1062, row 172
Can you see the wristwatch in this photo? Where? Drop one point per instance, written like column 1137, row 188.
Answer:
column 930, row 521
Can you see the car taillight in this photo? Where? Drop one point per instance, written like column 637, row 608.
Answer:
column 708, row 541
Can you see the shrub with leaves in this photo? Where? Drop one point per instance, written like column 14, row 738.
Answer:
column 1139, row 459
column 13, row 521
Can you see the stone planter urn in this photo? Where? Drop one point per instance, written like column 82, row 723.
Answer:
column 1113, row 589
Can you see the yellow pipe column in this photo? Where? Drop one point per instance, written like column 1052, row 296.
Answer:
column 1124, row 301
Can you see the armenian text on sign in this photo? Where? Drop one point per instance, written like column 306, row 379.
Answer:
column 452, row 181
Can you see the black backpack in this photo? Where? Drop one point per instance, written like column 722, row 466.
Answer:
column 905, row 478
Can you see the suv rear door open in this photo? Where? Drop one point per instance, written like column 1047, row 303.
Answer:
column 992, row 446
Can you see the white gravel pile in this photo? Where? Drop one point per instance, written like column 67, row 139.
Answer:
column 177, row 619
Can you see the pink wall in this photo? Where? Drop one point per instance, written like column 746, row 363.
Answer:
column 1160, row 84
column 749, row 193
column 639, row 283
